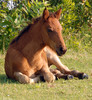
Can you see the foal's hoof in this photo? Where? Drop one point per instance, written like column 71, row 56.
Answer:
column 83, row 76
column 69, row 77
column 42, row 79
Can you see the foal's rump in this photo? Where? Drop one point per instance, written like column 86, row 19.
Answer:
column 16, row 62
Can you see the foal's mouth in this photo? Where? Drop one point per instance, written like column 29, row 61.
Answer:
column 61, row 51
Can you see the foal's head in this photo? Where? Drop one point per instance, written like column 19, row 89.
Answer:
column 51, row 31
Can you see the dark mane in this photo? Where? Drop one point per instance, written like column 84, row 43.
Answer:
column 28, row 27
column 21, row 33
column 25, row 30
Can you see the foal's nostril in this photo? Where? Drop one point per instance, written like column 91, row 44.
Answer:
column 63, row 50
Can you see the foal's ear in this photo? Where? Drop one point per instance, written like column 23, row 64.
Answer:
column 45, row 14
column 58, row 13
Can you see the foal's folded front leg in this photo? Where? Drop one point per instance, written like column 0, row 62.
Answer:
column 47, row 74
column 54, row 59
column 64, row 69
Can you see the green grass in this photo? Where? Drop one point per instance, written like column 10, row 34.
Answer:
column 59, row 90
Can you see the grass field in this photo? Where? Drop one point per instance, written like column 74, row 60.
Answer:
column 59, row 90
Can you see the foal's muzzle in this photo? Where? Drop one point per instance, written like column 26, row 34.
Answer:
column 60, row 51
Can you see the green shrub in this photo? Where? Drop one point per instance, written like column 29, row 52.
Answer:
column 14, row 20
column 75, row 18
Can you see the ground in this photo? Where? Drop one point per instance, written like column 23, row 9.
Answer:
column 61, row 89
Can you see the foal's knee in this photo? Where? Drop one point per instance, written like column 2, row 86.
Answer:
column 49, row 77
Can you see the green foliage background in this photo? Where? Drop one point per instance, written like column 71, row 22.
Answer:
column 76, row 19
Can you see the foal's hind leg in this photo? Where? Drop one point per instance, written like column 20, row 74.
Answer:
column 59, row 75
column 24, row 79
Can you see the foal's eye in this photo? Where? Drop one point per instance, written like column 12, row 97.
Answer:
column 49, row 30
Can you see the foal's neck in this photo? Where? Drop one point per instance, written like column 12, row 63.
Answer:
column 35, row 43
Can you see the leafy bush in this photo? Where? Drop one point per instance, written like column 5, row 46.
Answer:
column 13, row 21
column 75, row 18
